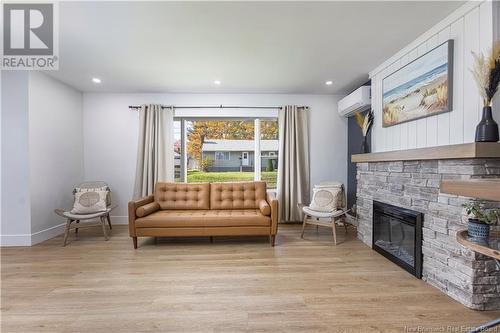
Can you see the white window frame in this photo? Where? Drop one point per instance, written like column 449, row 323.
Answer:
column 257, row 159
column 187, row 115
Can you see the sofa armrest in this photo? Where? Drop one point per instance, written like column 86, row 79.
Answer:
column 273, row 202
column 132, row 209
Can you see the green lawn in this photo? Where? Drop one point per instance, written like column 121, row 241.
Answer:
column 199, row 177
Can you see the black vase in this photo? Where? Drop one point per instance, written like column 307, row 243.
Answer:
column 487, row 129
column 364, row 146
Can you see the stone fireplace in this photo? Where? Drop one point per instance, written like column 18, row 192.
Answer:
column 414, row 184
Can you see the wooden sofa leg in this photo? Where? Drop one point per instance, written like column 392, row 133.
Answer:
column 135, row 242
column 273, row 239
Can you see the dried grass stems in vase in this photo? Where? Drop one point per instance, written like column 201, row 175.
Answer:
column 486, row 73
column 364, row 123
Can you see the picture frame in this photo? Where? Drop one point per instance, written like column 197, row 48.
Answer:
column 421, row 88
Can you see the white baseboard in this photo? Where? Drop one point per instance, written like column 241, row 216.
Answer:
column 32, row 239
column 15, row 240
column 43, row 235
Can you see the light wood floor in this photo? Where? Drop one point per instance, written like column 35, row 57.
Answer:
column 232, row 285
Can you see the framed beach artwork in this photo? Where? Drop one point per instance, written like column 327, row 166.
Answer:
column 420, row 89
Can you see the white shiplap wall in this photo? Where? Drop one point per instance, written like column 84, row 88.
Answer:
column 471, row 28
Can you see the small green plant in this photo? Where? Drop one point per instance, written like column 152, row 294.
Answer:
column 206, row 163
column 477, row 211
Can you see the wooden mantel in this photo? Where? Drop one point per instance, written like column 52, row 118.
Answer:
column 486, row 188
column 461, row 151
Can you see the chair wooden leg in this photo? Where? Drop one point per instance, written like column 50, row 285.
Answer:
column 134, row 239
column 103, row 222
column 76, row 229
column 344, row 220
column 334, row 231
column 66, row 232
column 303, row 226
column 109, row 222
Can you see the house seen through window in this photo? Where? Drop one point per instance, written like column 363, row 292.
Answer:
column 219, row 150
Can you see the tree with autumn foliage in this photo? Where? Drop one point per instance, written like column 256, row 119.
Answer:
column 201, row 131
column 269, row 130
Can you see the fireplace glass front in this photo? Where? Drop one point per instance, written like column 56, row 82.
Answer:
column 397, row 234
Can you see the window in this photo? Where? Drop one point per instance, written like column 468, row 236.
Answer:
column 269, row 143
column 226, row 150
column 214, row 150
column 177, row 150
column 222, row 156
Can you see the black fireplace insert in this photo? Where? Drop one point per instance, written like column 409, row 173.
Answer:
column 397, row 235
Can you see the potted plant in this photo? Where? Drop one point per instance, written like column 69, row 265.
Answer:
column 364, row 123
column 486, row 72
column 480, row 220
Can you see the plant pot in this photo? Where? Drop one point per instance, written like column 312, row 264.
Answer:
column 487, row 129
column 478, row 231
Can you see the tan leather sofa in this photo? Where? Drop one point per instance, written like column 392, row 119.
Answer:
column 205, row 209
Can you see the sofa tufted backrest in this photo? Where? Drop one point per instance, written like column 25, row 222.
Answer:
column 182, row 195
column 237, row 195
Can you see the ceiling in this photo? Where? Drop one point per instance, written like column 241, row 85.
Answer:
column 251, row 47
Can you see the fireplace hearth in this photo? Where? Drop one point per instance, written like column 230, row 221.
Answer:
column 397, row 235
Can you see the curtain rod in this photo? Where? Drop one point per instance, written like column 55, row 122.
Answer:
column 217, row 107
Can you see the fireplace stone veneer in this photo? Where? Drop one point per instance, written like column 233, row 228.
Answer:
column 468, row 277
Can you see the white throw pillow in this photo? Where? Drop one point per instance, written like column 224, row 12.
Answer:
column 86, row 189
column 329, row 184
column 102, row 188
column 325, row 199
column 89, row 202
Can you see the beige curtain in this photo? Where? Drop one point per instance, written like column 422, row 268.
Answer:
column 293, row 161
column 155, row 158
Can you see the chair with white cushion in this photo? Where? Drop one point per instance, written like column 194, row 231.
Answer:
column 327, row 208
column 102, row 215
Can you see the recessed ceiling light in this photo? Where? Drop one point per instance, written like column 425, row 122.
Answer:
column 217, row 82
column 329, row 83
column 96, row 80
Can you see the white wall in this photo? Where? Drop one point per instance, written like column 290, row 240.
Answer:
column 55, row 150
column 496, row 38
column 111, row 130
column 42, row 155
column 15, row 228
column 471, row 28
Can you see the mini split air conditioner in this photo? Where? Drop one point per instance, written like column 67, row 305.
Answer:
column 357, row 101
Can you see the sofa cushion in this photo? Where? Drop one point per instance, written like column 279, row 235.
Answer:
column 264, row 207
column 182, row 195
column 203, row 218
column 244, row 195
